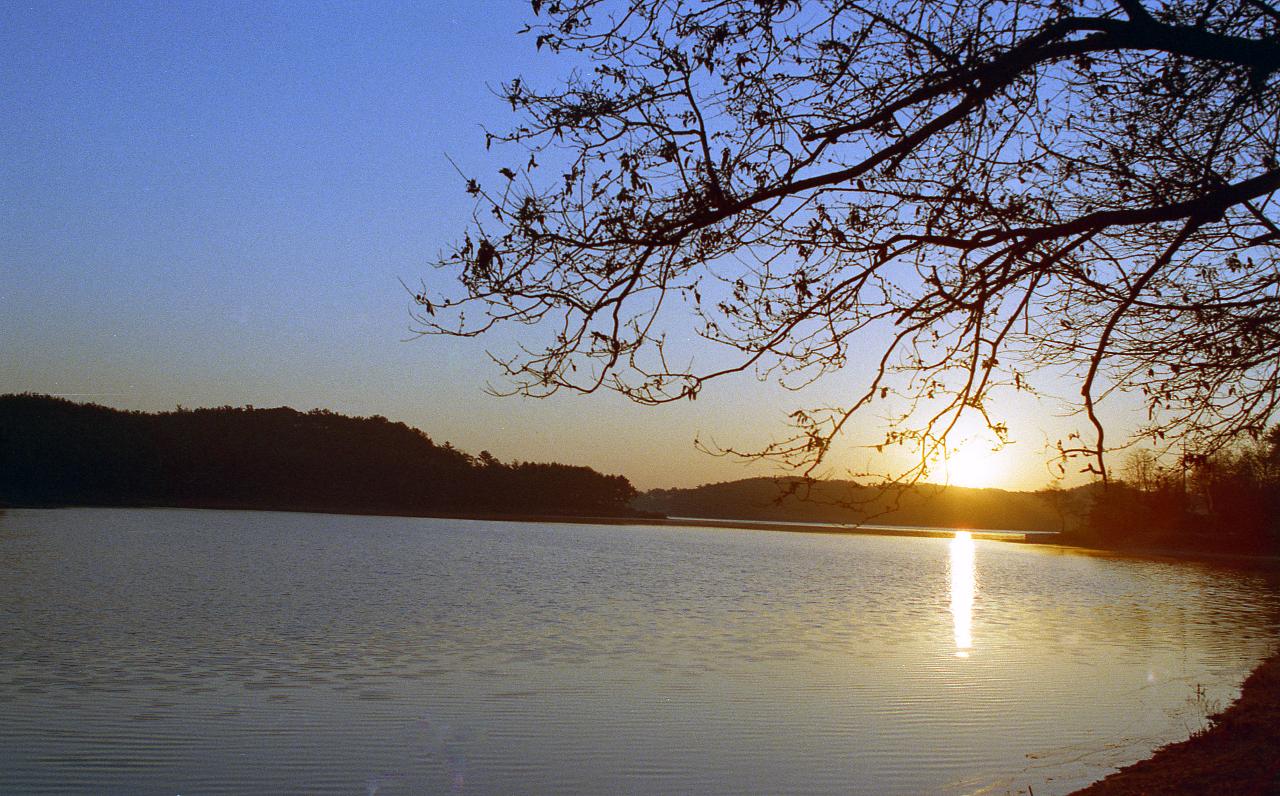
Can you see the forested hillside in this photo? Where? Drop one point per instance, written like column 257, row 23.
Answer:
column 1226, row 503
column 56, row 452
column 787, row 500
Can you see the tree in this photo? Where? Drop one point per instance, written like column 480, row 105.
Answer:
column 55, row 452
column 1142, row 471
column 987, row 192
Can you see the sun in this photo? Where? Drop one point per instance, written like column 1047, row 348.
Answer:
column 974, row 464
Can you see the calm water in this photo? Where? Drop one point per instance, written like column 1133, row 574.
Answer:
column 166, row 652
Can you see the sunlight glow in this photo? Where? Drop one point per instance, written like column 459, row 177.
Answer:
column 972, row 456
column 963, row 587
column 975, row 465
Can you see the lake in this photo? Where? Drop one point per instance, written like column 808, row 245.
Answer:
column 162, row 651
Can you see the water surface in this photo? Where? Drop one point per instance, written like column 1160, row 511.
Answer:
column 165, row 651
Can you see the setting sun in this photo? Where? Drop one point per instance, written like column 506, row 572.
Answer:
column 348, row 432
column 974, row 458
column 976, row 465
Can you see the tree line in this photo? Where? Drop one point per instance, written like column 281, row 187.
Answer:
column 57, row 452
column 1227, row 502
column 792, row 499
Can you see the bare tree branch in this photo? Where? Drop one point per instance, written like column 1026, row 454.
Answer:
column 981, row 193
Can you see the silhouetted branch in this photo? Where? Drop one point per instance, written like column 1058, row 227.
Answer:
column 980, row 194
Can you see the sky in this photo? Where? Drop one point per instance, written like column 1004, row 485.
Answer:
column 217, row 203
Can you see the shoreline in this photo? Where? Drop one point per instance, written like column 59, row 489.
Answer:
column 1238, row 754
column 1047, row 540
column 868, row 529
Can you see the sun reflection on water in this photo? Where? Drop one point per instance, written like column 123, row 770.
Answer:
column 963, row 586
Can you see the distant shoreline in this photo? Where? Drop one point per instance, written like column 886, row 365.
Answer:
column 639, row 518
column 608, row 519
column 1043, row 539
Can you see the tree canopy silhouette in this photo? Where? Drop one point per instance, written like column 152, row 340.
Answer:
column 53, row 451
column 986, row 192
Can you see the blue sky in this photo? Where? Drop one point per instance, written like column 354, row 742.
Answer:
column 207, row 204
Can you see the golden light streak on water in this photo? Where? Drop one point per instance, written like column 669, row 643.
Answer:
column 963, row 586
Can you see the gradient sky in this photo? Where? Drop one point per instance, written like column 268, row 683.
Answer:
column 208, row 204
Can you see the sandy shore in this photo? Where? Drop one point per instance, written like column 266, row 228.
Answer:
column 1238, row 755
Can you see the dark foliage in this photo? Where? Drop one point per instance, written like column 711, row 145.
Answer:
column 55, row 452
column 844, row 502
column 1224, row 503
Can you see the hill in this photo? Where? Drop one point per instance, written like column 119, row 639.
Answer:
column 56, row 452
column 792, row 500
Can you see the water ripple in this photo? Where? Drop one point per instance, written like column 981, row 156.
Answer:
column 227, row 652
